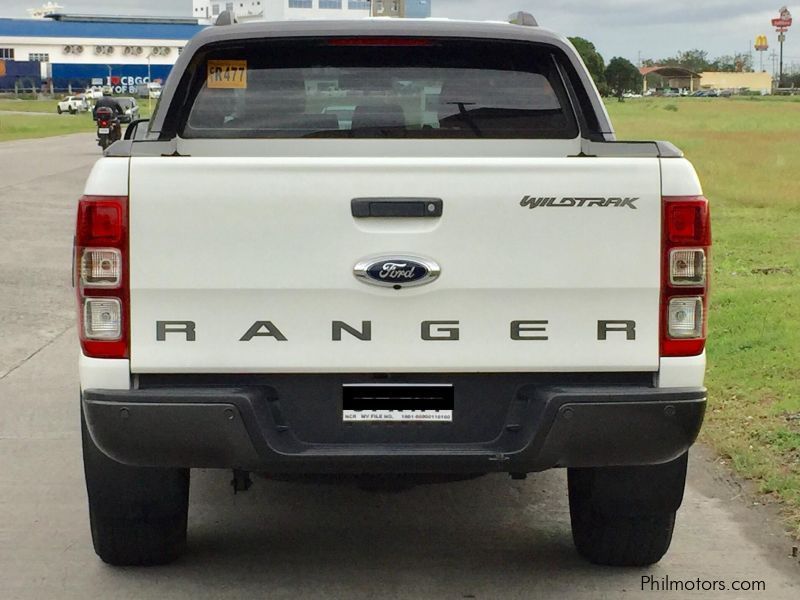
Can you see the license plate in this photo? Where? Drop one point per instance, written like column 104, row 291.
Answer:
column 398, row 416
column 391, row 403
column 104, row 130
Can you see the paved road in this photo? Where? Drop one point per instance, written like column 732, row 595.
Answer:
column 490, row 538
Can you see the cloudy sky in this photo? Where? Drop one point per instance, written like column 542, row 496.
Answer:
column 617, row 27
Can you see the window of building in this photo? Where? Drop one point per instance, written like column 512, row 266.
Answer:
column 229, row 6
column 330, row 4
column 300, row 4
column 215, row 9
column 7, row 53
column 39, row 57
column 358, row 4
column 395, row 6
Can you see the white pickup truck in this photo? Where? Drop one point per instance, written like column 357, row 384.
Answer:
column 72, row 105
column 468, row 275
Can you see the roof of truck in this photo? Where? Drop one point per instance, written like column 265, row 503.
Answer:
column 378, row 26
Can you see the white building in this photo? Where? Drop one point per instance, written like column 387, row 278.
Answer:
column 78, row 50
column 277, row 10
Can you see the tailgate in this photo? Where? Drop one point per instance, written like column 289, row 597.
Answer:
column 227, row 246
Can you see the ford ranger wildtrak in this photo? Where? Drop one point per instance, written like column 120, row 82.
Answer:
column 409, row 249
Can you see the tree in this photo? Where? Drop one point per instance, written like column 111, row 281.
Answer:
column 594, row 62
column 695, row 60
column 731, row 64
column 622, row 76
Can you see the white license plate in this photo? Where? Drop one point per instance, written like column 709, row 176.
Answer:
column 104, row 130
column 397, row 416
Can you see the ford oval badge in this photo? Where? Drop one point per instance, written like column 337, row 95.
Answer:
column 397, row 271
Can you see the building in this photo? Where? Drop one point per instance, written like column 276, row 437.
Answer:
column 73, row 51
column 45, row 9
column 417, row 9
column 410, row 9
column 674, row 77
column 277, row 10
column 755, row 82
column 66, row 52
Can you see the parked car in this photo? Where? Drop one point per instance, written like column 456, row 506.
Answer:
column 72, row 105
column 94, row 92
column 130, row 109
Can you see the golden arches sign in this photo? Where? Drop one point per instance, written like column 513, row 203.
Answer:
column 762, row 45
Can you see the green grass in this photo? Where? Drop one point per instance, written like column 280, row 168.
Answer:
column 17, row 127
column 746, row 152
column 47, row 106
column 14, row 126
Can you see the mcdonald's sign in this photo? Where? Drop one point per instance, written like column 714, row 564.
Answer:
column 762, row 45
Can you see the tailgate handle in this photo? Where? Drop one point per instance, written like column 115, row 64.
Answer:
column 364, row 208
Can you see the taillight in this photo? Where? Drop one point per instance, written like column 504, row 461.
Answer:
column 685, row 275
column 103, row 123
column 101, row 275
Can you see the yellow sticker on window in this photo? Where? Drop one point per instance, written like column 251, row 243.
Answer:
column 227, row 74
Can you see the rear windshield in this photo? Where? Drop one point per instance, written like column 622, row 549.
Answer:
column 377, row 88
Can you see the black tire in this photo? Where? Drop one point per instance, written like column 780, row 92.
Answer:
column 58, row 110
column 625, row 517
column 72, row 110
column 138, row 515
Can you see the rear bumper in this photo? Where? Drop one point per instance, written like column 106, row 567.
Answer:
column 250, row 428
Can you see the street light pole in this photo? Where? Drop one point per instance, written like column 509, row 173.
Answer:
column 149, row 81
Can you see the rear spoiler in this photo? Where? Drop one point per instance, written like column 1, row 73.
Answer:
column 589, row 149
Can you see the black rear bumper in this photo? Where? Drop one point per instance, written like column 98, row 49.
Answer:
column 297, row 428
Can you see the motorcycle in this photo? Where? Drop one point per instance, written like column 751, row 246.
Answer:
column 108, row 127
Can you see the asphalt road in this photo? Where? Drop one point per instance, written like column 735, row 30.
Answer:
column 489, row 538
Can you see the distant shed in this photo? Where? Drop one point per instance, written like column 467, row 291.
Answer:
column 678, row 77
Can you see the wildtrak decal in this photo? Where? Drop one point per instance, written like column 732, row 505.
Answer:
column 531, row 202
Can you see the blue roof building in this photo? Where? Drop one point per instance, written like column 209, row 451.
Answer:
column 74, row 51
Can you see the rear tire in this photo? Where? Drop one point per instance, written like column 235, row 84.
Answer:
column 625, row 517
column 58, row 110
column 138, row 515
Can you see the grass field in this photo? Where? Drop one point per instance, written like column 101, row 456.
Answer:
column 18, row 126
column 14, row 126
column 48, row 106
column 747, row 153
